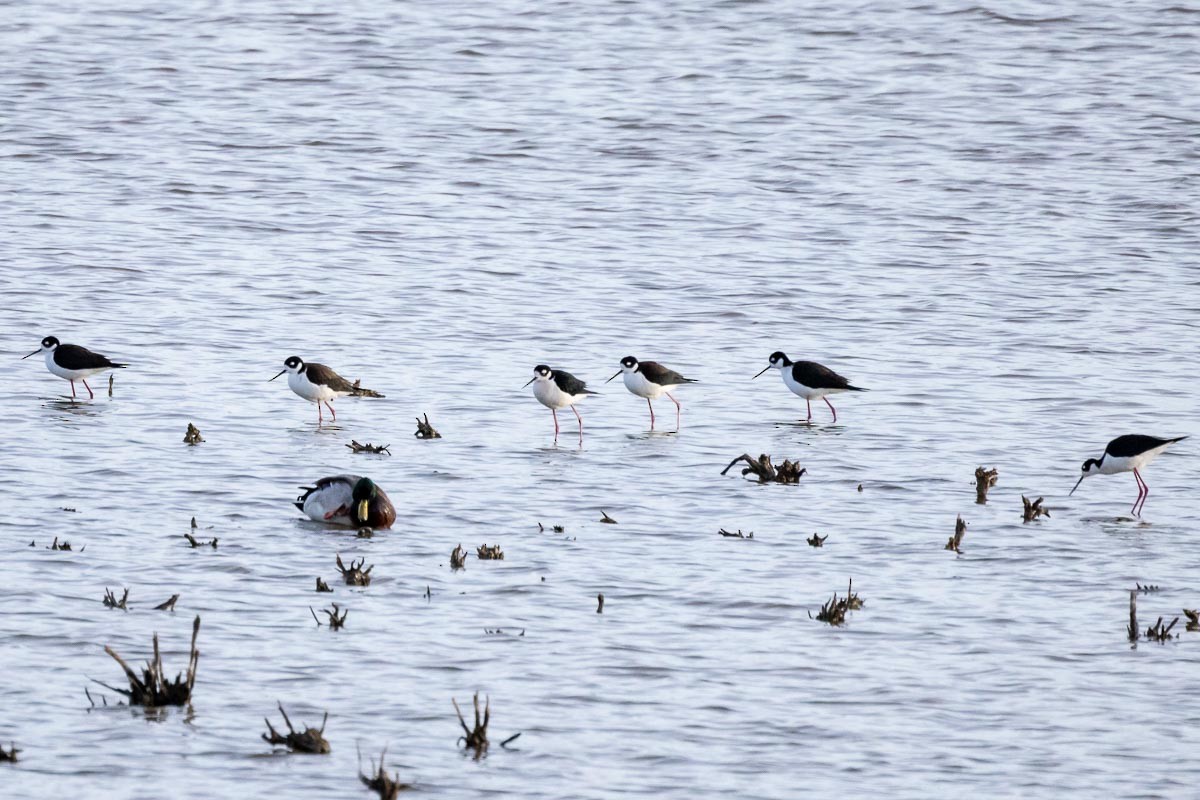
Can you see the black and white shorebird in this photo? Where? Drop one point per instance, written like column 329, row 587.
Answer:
column 1128, row 453
column 74, row 363
column 347, row 500
column 557, row 389
column 810, row 380
column 318, row 384
column 651, row 380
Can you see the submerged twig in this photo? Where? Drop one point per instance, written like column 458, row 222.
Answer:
column 322, row 586
column 738, row 535
column 816, row 540
column 600, row 603
column 354, row 575
column 355, row 447
column 605, row 518
column 425, row 430
column 475, row 738
column 1157, row 633
column 834, row 611
column 765, row 471
column 1193, row 619
column 960, row 530
column 359, row 391
column 984, row 479
column 1033, row 509
column 110, row 599
column 153, row 688
column 194, row 542
column 1132, row 629
column 193, row 435
column 386, row 787
column 310, row 740
column 458, row 558
column 489, row 552
column 335, row 622
column 9, row 755
column 64, row 546
column 169, row 605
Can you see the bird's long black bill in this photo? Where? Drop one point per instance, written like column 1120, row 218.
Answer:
column 1081, row 477
column 764, row 369
column 34, row 353
column 280, row 373
column 531, row 380
column 610, row 380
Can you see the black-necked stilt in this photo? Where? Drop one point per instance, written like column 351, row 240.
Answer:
column 810, row 380
column 74, row 363
column 557, row 389
column 651, row 380
column 317, row 383
column 347, row 500
column 1128, row 453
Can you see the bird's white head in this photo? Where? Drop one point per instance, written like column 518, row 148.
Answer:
column 294, row 364
column 629, row 364
column 777, row 360
column 541, row 373
column 48, row 346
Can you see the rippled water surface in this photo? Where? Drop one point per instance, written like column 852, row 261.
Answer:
column 985, row 215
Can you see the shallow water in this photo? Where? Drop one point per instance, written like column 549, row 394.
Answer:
column 986, row 215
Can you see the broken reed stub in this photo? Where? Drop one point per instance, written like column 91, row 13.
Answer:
column 1033, row 509
column 310, row 740
column 153, row 688
column 425, row 430
column 960, row 530
column 192, row 436
column 766, row 472
column 378, row 781
column 984, row 479
column 475, row 738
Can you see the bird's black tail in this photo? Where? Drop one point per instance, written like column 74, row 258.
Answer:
column 856, row 389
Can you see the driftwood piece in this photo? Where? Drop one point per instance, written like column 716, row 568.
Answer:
column 356, row 447
column 111, row 601
column 458, row 558
column 310, row 740
column 194, row 542
column 1193, row 619
column 359, row 391
column 9, row 755
column 960, row 530
column 489, row 553
column 1033, row 509
column 110, row 384
column 605, row 518
column 378, row 781
column 322, row 586
column 153, row 688
column 738, row 535
column 425, row 430
column 834, row 611
column 600, row 603
column 475, row 738
column 169, row 605
column 335, row 622
column 984, row 479
column 55, row 545
column 766, row 472
column 365, row 533
column 816, row 540
column 555, row 528
column 193, row 435
column 354, row 575
column 1149, row 587
column 1157, row 633
column 1132, row 629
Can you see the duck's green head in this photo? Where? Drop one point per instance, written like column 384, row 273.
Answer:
column 364, row 492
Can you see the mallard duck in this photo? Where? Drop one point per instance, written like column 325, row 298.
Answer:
column 347, row 500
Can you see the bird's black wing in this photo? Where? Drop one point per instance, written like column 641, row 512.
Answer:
column 72, row 356
column 1131, row 444
column 663, row 376
column 319, row 373
column 816, row 376
column 570, row 384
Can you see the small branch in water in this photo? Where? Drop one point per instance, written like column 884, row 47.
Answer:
column 1132, row 629
column 167, row 606
column 194, row 542
column 110, row 599
column 738, row 535
column 984, row 479
column 425, row 430
column 1033, row 509
column 153, row 688
column 458, row 558
column 335, row 622
column 960, row 530
column 1149, row 587
column 834, row 611
column 312, row 740
column 817, row 541
column 359, row 391
column 354, row 574
column 64, row 546
column 605, row 518
column 600, row 603
column 766, row 472
column 11, row 754
column 110, row 384
column 1157, row 633
column 1193, row 619
column 489, row 553
column 193, row 435
column 475, row 738
column 378, row 781
column 355, row 447
column 322, row 586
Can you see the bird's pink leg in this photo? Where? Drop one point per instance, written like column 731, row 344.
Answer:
column 91, row 394
column 331, row 411
column 72, row 390
column 573, row 408
column 1143, row 493
column 831, row 408
column 320, row 413
column 809, row 410
column 555, row 414
column 676, row 402
column 651, row 413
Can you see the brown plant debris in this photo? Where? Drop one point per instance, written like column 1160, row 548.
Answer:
column 322, row 586
column 984, row 479
column 110, row 599
column 153, row 688
column 64, row 546
column 489, row 553
column 194, row 542
column 354, row 575
column 738, row 535
column 335, row 622
column 766, row 472
column 458, row 558
column 1149, row 587
column 605, row 518
column 1033, row 509
column 555, row 528
column 193, row 435
column 110, row 384
column 365, row 533
column 1132, row 628
column 168, row 605
column 834, row 611
column 355, row 447
column 1193, row 619
column 377, row 780
column 960, row 530
column 425, row 430
column 816, row 540
column 10, row 754
column 1157, row 633
column 600, row 603
column 860, row 487
column 311, row 740
column 476, row 738
column 359, row 391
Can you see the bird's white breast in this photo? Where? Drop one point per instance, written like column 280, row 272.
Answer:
column 636, row 382
column 69, row 374
column 301, row 385
column 549, row 395
column 333, row 497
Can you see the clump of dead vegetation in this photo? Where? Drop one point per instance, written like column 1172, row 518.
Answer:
column 766, row 472
column 736, row 535
column 111, row 601
column 192, row 437
column 984, row 479
column 9, row 755
column 354, row 575
column 425, row 430
column 153, row 687
column 489, row 552
column 355, row 447
column 475, row 738
column 377, row 780
column 816, row 540
column 335, row 622
column 310, row 740
column 834, row 611
column 960, row 530
column 1033, row 509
